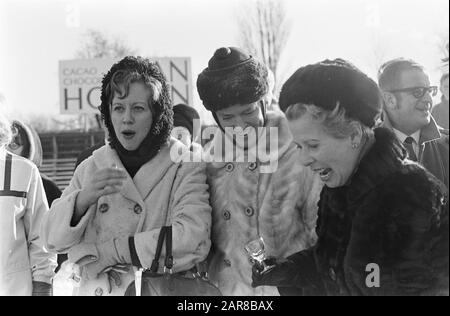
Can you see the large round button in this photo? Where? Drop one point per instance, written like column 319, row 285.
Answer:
column 249, row 211
column 252, row 166
column 137, row 209
column 229, row 167
column 226, row 215
column 332, row 274
column 98, row 291
column 103, row 208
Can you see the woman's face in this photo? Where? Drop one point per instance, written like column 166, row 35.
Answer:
column 332, row 158
column 16, row 145
column 241, row 115
column 131, row 116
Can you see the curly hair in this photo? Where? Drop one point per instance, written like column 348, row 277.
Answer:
column 117, row 81
column 335, row 123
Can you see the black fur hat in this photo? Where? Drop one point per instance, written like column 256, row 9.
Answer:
column 232, row 77
column 325, row 83
column 145, row 71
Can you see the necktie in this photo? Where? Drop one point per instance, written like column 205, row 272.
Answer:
column 408, row 143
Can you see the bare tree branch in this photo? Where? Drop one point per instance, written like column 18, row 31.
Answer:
column 97, row 45
column 264, row 30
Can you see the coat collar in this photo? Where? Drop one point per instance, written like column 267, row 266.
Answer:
column 428, row 133
column 148, row 176
column 385, row 157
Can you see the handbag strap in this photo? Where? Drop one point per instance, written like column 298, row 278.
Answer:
column 165, row 233
column 155, row 263
column 169, row 257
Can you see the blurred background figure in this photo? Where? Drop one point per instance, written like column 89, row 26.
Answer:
column 25, row 267
column 440, row 111
column 272, row 102
column 26, row 143
column 183, row 125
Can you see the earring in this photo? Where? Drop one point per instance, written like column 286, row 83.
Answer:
column 355, row 145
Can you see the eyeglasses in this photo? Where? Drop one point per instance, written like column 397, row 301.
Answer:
column 419, row 92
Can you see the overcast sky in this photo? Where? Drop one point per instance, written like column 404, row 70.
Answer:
column 35, row 35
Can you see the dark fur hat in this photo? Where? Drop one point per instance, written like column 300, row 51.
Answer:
column 232, row 77
column 331, row 81
column 143, row 70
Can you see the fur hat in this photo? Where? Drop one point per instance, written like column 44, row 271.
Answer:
column 232, row 77
column 326, row 83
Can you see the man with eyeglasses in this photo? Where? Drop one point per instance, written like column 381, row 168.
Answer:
column 408, row 102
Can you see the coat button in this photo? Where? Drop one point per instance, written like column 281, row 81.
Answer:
column 229, row 167
column 137, row 209
column 226, row 215
column 252, row 166
column 227, row 262
column 103, row 208
column 332, row 274
column 249, row 211
column 98, row 291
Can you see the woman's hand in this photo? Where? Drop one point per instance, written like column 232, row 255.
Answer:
column 277, row 276
column 103, row 182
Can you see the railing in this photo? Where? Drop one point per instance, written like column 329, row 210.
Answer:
column 60, row 152
column 59, row 170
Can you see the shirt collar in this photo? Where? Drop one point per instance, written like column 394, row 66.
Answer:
column 402, row 136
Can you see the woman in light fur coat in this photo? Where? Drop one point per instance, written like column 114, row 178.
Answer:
column 108, row 220
column 258, row 188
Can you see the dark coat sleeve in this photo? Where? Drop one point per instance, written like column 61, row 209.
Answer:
column 408, row 238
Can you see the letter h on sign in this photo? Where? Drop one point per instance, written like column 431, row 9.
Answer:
column 67, row 99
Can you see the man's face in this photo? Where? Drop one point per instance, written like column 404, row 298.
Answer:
column 444, row 89
column 411, row 113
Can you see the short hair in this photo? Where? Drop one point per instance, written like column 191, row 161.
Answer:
column 5, row 130
column 443, row 78
column 390, row 72
column 335, row 123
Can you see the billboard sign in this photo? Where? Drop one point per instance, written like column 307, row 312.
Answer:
column 80, row 82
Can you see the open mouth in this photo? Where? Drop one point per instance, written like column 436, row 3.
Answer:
column 324, row 173
column 128, row 134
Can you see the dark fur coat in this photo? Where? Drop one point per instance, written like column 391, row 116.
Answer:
column 394, row 214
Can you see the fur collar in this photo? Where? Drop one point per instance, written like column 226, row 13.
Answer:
column 385, row 157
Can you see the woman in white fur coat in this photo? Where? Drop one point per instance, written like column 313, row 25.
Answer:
column 257, row 186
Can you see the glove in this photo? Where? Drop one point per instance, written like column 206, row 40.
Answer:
column 110, row 253
column 114, row 277
column 282, row 274
column 42, row 289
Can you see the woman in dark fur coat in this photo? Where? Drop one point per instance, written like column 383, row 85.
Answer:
column 383, row 220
